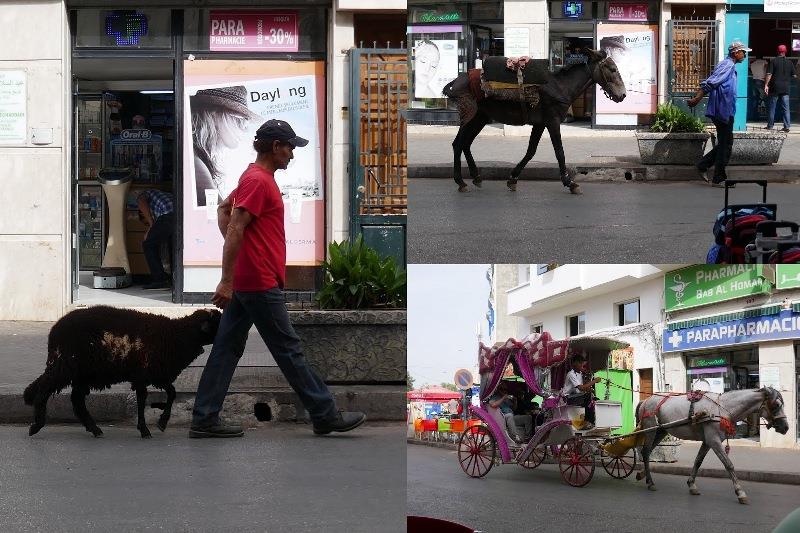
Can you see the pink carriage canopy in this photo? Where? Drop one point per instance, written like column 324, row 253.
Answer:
column 539, row 351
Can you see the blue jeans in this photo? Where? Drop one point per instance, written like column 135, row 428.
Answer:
column 773, row 100
column 267, row 310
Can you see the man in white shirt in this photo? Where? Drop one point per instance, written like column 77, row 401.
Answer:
column 576, row 392
column 758, row 68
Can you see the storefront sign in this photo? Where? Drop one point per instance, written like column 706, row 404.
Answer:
column 253, row 31
column 517, row 42
column 628, row 12
column 747, row 330
column 781, row 6
column 707, row 284
column 705, row 362
column 437, row 17
column 633, row 47
column 787, row 276
column 435, row 65
column 126, row 26
column 250, row 93
column 572, row 10
column 13, row 107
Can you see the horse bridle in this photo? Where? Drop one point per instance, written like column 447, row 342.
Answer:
column 604, row 80
column 768, row 403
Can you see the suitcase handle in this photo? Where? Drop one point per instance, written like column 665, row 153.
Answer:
column 773, row 225
column 729, row 184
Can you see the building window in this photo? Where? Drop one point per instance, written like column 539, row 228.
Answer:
column 576, row 324
column 544, row 268
column 536, row 328
column 628, row 313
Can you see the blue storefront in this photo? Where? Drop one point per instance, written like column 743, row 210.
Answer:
column 762, row 25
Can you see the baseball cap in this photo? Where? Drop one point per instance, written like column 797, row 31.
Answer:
column 280, row 131
column 782, row 48
column 738, row 45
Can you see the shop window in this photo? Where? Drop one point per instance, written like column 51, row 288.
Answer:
column 123, row 28
column 628, row 313
column 576, row 324
column 311, row 30
column 438, row 55
column 487, row 11
column 376, row 29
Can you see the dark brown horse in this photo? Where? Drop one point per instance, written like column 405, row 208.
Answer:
column 556, row 96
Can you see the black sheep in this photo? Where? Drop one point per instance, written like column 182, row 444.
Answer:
column 96, row 347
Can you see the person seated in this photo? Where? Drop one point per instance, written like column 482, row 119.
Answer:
column 504, row 402
column 522, row 418
column 576, row 392
column 537, row 415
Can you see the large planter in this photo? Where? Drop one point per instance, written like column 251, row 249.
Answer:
column 671, row 148
column 359, row 347
column 666, row 452
column 756, row 147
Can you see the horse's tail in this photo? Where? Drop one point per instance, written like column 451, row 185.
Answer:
column 447, row 90
column 636, row 412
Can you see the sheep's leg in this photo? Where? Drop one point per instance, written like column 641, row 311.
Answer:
column 141, row 399
column 164, row 418
column 78, row 397
column 39, row 413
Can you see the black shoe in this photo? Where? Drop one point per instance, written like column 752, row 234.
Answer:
column 217, row 430
column 717, row 181
column 344, row 421
column 156, row 285
column 785, row 130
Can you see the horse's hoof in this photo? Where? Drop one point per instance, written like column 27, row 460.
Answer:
column 477, row 181
column 574, row 188
column 161, row 424
column 97, row 432
column 639, row 476
column 743, row 500
column 34, row 429
column 694, row 492
column 463, row 188
column 652, row 487
column 512, row 185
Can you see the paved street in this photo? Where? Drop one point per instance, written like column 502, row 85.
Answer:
column 631, row 222
column 278, row 479
column 512, row 499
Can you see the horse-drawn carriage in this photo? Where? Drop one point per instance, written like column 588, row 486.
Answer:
column 542, row 364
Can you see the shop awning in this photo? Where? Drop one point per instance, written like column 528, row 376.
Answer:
column 433, row 394
column 727, row 317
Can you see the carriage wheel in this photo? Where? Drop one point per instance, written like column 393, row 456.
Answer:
column 576, row 462
column 536, row 457
column 619, row 467
column 476, row 451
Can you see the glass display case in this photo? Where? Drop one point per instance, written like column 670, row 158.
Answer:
column 90, row 136
column 91, row 231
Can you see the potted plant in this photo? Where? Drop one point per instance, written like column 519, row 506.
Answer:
column 358, row 336
column 674, row 138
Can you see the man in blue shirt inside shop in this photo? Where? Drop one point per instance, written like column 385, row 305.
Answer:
column 158, row 211
column 721, row 90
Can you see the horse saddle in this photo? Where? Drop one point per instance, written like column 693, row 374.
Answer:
column 534, row 71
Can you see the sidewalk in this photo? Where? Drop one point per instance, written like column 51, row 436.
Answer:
column 596, row 154
column 752, row 463
column 257, row 386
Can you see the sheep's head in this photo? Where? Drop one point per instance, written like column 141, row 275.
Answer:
column 209, row 324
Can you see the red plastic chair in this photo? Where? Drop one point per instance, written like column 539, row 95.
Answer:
column 429, row 428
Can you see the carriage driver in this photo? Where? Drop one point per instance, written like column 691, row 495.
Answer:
column 575, row 392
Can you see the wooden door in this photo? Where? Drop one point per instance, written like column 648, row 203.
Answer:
column 645, row 383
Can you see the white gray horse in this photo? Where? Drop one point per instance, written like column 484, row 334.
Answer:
column 707, row 412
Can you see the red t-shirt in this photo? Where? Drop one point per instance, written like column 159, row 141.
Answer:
column 261, row 263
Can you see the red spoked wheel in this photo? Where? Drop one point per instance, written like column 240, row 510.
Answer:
column 477, row 450
column 576, row 462
column 536, row 457
column 619, row 467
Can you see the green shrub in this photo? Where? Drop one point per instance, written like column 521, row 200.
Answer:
column 670, row 118
column 357, row 278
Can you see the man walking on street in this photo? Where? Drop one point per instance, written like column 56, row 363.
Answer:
column 250, row 292
column 721, row 90
column 779, row 74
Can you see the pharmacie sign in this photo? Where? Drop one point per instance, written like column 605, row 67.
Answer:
column 707, row 284
column 787, row 276
column 253, row 31
column 786, row 325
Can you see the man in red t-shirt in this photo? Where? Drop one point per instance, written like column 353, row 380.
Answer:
column 250, row 292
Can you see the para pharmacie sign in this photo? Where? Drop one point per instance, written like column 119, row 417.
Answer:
column 253, row 31
column 786, row 325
